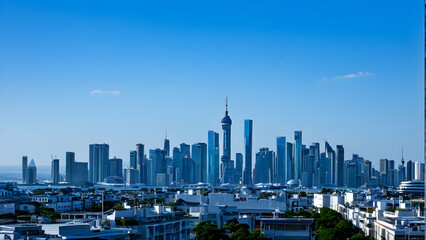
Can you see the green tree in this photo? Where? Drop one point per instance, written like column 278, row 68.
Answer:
column 359, row 236
column 257, row 234
column 208, row 231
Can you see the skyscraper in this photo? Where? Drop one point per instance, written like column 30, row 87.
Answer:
column 340, row 161
column 281, row 160
column 199, row 156
column 263, row 171
column 213, row 157
column 238, row 167
column 69, row 163
column 31, row 173
column 188, row 170
column 24, row 167
column 331, row 168
column 314, row 150
column 141, row 163
column 54, row 171
column 248, row 148
column 98, row 162
column 185, row 149
column 177, row 165
column 227, row 173
column 116, row 167
column 133, row 160
column 80, row 172
column 289, row 174
column 167, row 146
column 297, row 154
column 159, row 165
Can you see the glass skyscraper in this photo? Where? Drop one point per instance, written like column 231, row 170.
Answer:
column 69, row 164
column 248, row 148
column 199, row 156
column 281, row 160
column 54, row 174
column 297, row 154
column 340, row 160
column 98, row 162
column 141, row 163
column 213, row 157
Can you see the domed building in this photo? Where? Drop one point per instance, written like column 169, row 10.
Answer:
column 292, row 183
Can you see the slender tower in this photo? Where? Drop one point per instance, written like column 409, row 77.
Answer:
column 226, row 156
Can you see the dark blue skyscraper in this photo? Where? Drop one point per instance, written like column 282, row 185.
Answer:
column 69, row 164
column 297, row 155
column 199, row 156
column 185, row 149
column 141, row 163
column 98, row 162
column 177, row 165
column 213, row 157
column 167, row 146
column 116, row 167
column 340, row 161
column 238, row 167
column 331, row 168
column 133, row 160
column 289, row 173
column 227, row 171
column 263, row 171
column 281, row 160
column 24, row 166
column 248, row 148
column 54, row 177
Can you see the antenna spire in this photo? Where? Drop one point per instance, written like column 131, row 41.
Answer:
column 402, row 160
column 226, row 105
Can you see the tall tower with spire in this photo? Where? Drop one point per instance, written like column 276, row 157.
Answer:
column 226, row 168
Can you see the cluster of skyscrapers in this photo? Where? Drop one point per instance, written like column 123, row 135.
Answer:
column 200, row 162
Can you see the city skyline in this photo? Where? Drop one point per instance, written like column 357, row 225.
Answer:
column 350, row 80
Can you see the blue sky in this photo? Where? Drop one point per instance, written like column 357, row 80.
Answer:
column 122, row 72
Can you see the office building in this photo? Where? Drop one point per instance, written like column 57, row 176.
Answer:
column 54, row 171
column 248, row 150
column 80, row 172
column 185, row 149
column 213, row 157
column 419, row 171
column 188, row 170
column 131, row 176
column 238, row 167
column 340, row 161
column 158, row 165
column 166, row 147
column 31, row 173
column 69, row 162
column 133, row 159
column 281, row 161
column 330, row 154
column 24, row 167
column 227, row 172
column 177, row 165
column 289, row 173
column 116, row 167
column 314, row 150
column 199, row 156
column 297, row 154
column 263, row 171
column 98, row 162
column 141, row 163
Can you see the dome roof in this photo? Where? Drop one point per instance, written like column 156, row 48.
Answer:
column 292, row 182
column 226, row 120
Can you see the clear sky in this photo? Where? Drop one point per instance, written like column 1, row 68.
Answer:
column 75, row 72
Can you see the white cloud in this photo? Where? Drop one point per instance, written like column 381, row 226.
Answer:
column 354, row 75
column 347, row 76
column 110, row 92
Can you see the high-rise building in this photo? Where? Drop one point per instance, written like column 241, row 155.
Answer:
column 263, row 171
column 159, row 165
column 177, row 165
column 289, row 174
column 340, row 161
column 331, row 169
column 281, row 160
column 227, row 172
column 54, row 171
column 419, row 171
column 213, row 157
column 24, row 167
column 31, row 173
column 410, row 170
column 297, row 154
column 238, row 167
column 131, row 176
column 80, row 172
column 188, row 170
column 134, row 160
column 199, row 156
column 98, row 162
column 116, row 167
column 185, row 149
column 248, row 150
column 167, row 146
column 69, row 163
column 314, row 150
column 141, row 163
